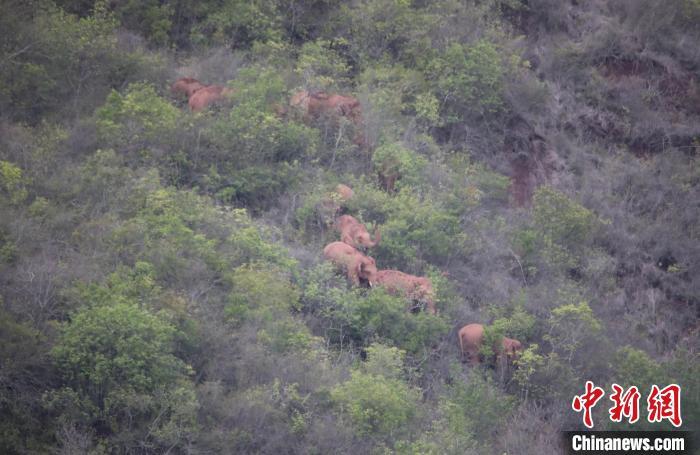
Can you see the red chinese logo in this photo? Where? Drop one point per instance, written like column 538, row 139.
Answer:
column 586, row 402
column 665, row 404
column 662, row 404
column 626, row 404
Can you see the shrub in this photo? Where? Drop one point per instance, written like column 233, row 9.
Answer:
column 362, row 317
column 256, row 187
column 251, row 132
column 544, row 378
column 260, row 294
column 571, row 328
column 635, row 367
column 418, row 230
column 320, row 67
column 65, row 64
column 12, row 185
column 463, row 397
column 378, row 405
column 564, row 228
column 238, row 24
column 513, row 322
column 117, row 360
column 396, row 163
column 378, row 28
column 136, row 119
column 470, row 78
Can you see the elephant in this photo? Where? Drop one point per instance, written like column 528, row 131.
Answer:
column 470, row 340
column 355, row 233
column 345, row 192
column 186, row 86
column 415, row 288
column 470, row 337
column 511, row 347
column 332, row 204
column 204, row 97
column 314, row 106
column 356, row 265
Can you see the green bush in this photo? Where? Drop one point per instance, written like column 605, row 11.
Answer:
column 378, row 28
column 12, row 185
column 381, row 316
column 378, row 405
column 470, row 80
column 418, row 230
column 635, row 367
column 22, row 350
column 151, row 18
column 362, row 317
column 562, row 220
column 250, row 242
column 251, row 132
column 137, row 118
column 117, row 360
column 256, row 187
column 512, row 322
column 394, row 161
column 544, row 378
column 238, row 24
column 63, row 64
column 320, row 67
column 571, row 327
column 259, row 294
column 563, row 230
column 475, row 407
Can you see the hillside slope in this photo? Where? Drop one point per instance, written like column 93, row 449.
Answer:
column 162, row 283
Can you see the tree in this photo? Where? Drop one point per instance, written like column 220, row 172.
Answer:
column 118, row 368
column 468, row 80
column 377, row 401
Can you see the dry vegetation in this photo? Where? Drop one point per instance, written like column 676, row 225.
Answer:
column 162, row 288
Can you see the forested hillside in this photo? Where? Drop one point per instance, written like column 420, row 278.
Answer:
column 163, row 286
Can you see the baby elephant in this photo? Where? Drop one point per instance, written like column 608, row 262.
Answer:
column 333, row 203
column 470, row 340
column 414, row 288
column 355, row 233
column 355, row 264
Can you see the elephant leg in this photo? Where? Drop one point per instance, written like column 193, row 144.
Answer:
column 352, row 275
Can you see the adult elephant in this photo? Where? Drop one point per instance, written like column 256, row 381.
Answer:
column 355, row 233
column 186, row 86
column 471, row 338
column 414, row 288
column 314, row 106
column 354, row 263
column 205, row 97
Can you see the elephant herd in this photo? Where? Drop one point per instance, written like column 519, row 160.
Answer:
column 360, row 268
column 347, row 254
column 311, row 105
